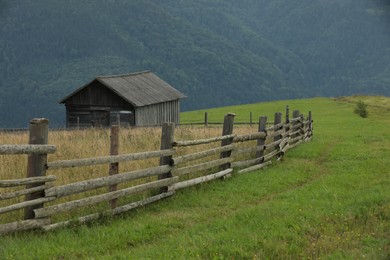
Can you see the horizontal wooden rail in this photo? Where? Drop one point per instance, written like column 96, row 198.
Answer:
column 285, row 149
column 294, row 127
column 23, row 225
column 109, row 159
column 27, row 149
column 82, row 186
column 277, row 133
column 199, row 180
column 25, row 204
column 112, row 212
column 249, row 137
column 67, row 206
column 201, row 166
column 295, row 133
column 273, row 144
column 202, row 141
column 31, row 180
column 238, row 151
column 283, row 142
column 296, row 119
column 195, row 156
column 270, row 155
column 293, row 140
column 239, row 164
column 273, row 127
column 255, row 167
column 14, row 194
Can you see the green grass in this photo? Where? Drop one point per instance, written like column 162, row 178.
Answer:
column 329, row 198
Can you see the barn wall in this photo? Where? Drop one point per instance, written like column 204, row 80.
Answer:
column 157, row 114
column 96, row 105
column 87, row 116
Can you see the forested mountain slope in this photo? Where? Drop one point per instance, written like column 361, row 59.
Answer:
column 216, row 52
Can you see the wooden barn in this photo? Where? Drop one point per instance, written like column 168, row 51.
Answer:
column 136, row 99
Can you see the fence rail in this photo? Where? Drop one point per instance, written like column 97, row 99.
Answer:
column 221, row 157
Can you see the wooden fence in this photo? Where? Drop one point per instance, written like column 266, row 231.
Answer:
column 221, row 157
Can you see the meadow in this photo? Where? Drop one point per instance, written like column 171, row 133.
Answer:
column 328, row 198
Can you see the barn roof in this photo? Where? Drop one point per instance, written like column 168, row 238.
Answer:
column 140, row 89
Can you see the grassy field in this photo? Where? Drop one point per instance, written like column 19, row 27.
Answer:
column 329, row 198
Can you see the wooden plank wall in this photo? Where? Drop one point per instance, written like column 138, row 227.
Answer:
column 157, row 114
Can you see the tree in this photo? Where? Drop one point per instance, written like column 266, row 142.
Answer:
column 361, row 109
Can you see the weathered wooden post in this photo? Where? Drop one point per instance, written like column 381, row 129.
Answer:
column 286, row 135
column 302, row 128
column 227, row 129
column 277, row 121
column 167, row 139
column 114, row 167
column 287, row 114
column 250, row 119
column 206, row 119
column 310, row 125
column 78, row 123
column 36, row 164
column 295, row 123
column 261, row 141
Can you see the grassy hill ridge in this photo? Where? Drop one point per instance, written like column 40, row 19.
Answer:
column 328, row 198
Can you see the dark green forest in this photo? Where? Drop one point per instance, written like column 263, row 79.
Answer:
column 217, row 52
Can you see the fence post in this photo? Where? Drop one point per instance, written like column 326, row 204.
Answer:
column 287, row 114
column 250, row 119
column 227, row 129
column 261, row 141
column 277, row 120
column 295, row 116
column 310, row 125
column 114, row 167
column 302, row 133
column 36, row 164
column 206, row 119
column 167, row 139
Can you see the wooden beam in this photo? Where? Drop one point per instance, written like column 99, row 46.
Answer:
column 67, row 206
column 82, row 186
column 201, row 166
column 202, row 179
column 108, row 159
column 194, row 156
column 23, row 225
column 202, row 141
column 25, row 204
column 25, row 181
column 249, row 137
column 18, row 193
column 255, row 167
column 27, row 149
column 237, row 151
column 115, row 211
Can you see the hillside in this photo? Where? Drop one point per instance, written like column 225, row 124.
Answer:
column 216, row 52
